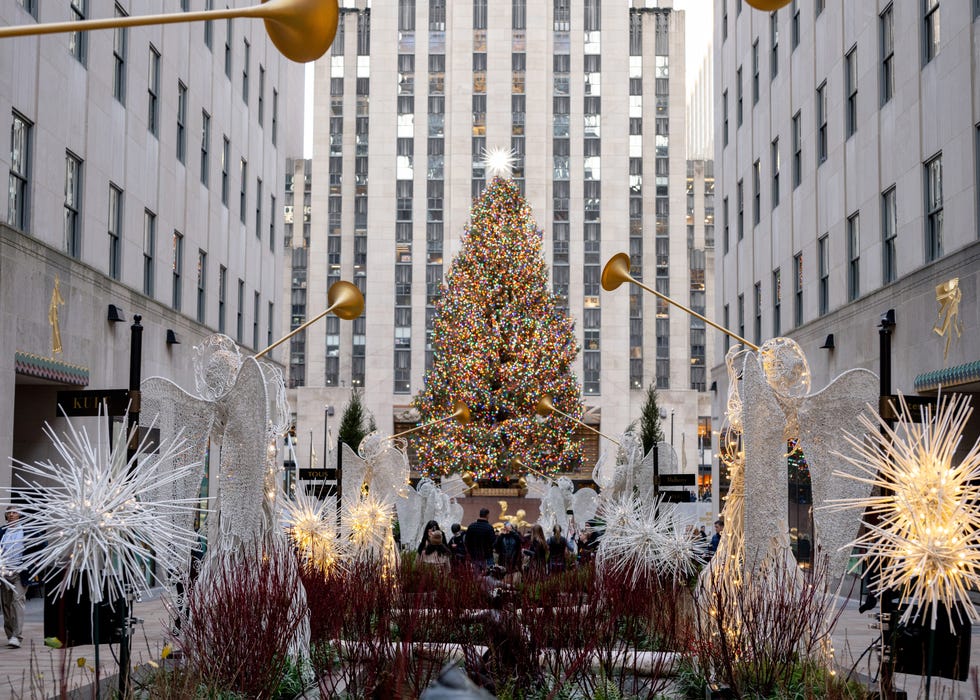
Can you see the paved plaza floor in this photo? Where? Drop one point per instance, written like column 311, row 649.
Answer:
column 34, row 670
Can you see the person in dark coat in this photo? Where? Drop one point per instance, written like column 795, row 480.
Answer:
column 508, row 547
column 430, row 526
column 715, row 538
column 479, row 541
column 457, row 543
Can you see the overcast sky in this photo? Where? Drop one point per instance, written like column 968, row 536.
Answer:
column 697, row 25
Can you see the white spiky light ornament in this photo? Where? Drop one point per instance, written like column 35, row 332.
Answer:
column 310, row 525
column 99, row 516
column 923, row 536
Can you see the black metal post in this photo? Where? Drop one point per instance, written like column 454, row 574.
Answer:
column 135, row 372
column 886, row 606
column 340, row 480
column 656, row 472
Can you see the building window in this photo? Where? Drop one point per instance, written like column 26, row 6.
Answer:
column 740, row 210
column 756, row 192
column 777, row 302
column 724, row 222
column 77, row 40
column 119, row 60
column 153, row 92
column 889, row 233
column 853, row 257
column 272, row 223
column 593, row 18
column 261, row 93
column 818, row 7
column 258, row 208
column 20, row 161
column 275, row 115
column 775, row 173
column 209, row 26
column 205, row 146
column 256, row 310
column 115, row 231
column 202, row 285
column 886, row 39
column 934, row 208
column 245, row 61
column 740, row 311
column 850, row 92
column 406, row 14
column 243, row 188
column 240, row 316
column 797, row 150
column 178, row 269
column 755, row 72
column 225, row 157
column 149, row 248
column 222, row 291
column 30, row 6
column 725, row 321
column 228, row 54
column 798, row 290
column 796, row 23
column 774, row 41
column 269, row 323
column 724, row 116
column 757, row 309
column 822, row 122
column 181, row 121
column 73, row 205
column 931, row 30
column 738, row 97
column 823, row 272
column 724, row 21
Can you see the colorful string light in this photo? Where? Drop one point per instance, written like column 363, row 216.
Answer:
column 500, row 342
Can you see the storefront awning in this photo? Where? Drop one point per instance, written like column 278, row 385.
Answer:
column 951, row 376
column 31, row 365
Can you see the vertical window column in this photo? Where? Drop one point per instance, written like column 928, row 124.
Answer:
column 561, row 148
column 363, row 88
column 435, row 185
column 662, row 200
column 518, row 59
column 636, row 197
column 592, row 200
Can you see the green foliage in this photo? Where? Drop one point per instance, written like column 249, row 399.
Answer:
column 352, row 429
column 650, row 432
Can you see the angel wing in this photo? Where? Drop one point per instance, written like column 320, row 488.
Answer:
column 824, row 417
column 585, row 503
column 172, row 410
column 408, row 507
column 766, row 476
column 243, row 469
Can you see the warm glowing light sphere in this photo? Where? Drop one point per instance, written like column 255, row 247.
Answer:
column 768, row 5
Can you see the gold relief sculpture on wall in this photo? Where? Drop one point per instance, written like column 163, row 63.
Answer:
column 56, row 301
column 948, row 296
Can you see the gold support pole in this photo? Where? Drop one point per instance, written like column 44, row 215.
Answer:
column 462, row 412
column 617, row 271
column 545, row 408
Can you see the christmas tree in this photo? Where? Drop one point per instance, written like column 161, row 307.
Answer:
column 500, row 343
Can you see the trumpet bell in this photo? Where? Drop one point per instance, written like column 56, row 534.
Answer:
column 768, row 5
column 302, row 30
column 616, row 271
column 544, row 407
column 462, row 412
column 346, row 300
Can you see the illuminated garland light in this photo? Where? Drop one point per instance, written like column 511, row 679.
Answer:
column 500, row 342
column 924, row 531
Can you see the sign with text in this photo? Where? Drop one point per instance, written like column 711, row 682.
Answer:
column 318, row 474
column 89, row 402
column 675, row 496
column 676, row 480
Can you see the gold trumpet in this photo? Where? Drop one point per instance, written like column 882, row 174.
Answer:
column 302, row 30
column 617, row 271
column 768, row 5
column 346, row 301
column 545, row 408
column 461, row 412
column 517, row 466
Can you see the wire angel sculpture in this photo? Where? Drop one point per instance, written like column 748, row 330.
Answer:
column 417, row 506
column 238, row 413
column 559, row 499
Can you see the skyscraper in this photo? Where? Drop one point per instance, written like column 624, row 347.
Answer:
column 590, row 98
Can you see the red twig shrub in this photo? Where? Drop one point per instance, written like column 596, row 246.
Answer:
column 241, row 616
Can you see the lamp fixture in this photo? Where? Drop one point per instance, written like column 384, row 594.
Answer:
column 115, row 314
column 828, row 344
column 172, row 337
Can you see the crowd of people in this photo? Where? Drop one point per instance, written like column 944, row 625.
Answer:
column 506, row 553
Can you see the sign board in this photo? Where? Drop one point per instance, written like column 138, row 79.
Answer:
column 318, row 474
column 676, row 496
column 89, row 402
column 915, row 404
column 676, row 480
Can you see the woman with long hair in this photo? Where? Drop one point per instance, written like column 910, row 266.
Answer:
column 537, row 552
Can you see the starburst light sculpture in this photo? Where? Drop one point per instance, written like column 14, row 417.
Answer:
column 923, row 533
column 96, row 511
column 310, row 525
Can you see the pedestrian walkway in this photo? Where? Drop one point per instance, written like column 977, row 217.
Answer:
column 35, row 671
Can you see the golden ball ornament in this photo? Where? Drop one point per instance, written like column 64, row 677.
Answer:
column 768, row 5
